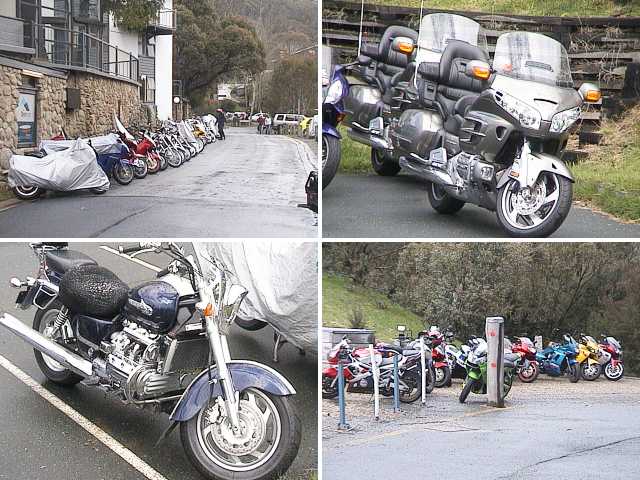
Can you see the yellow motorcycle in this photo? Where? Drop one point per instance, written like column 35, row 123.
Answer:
column 588, row 358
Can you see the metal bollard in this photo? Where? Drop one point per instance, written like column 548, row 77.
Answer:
column 376, row 387
column 495, row 361
column 342, row 424
column 423, row 371
column 396, row 385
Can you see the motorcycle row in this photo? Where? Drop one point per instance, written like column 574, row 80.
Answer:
column 61, row 164
column 490, row 134
column 587, row 359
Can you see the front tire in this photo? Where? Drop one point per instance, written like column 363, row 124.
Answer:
column 591, row 372
column 443, row 377
column 441, row 201
column 267, row 454
column 383, row 165
column 530, row 374
column 27, row 193
column 574, row 373
column 614, row 373
column 51, row 369
column 469, row 383
column 123, row 173
column 540, row 212
column 330, row 158
column 329, row 387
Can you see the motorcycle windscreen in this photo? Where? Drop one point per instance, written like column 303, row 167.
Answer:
column 104, row 144
column 73, row 169
column 533, row 57
column 327, row 64
column 437, row 29
column 282, row 281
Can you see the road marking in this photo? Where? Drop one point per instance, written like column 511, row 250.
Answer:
column 133, row 259
column 110, row 442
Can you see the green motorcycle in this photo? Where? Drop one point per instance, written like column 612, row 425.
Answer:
column 476, row 366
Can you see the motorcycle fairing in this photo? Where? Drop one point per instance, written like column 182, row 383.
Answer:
column 475, row 374
column 529, row 166
column 244, row 373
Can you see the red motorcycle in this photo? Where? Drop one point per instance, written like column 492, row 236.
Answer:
column 142, row 152
column 436, row 340
column 611, row 358
column 529, row 368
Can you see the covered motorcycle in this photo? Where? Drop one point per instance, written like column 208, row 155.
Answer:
column 75, row 168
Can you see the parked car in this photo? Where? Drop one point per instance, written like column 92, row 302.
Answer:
column 254, row 117
column 281, row 119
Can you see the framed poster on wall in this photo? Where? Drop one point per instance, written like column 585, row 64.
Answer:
column 26, row 118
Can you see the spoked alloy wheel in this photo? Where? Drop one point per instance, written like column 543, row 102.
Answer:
column 173, row 157
column 264, row 447
column 590, row 372
column 123, row 173
column 329, row 387
column 27, row 193
column 530, row 373
column 153, row 165
column 614, row 373
column 537, row 211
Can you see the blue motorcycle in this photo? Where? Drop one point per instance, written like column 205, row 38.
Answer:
column 334, row 88
column 560, row 358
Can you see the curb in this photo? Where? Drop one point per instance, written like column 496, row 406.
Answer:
column 308, row 156
column 11, row 202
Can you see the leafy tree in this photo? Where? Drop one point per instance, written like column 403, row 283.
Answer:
column 294, row 86
column 207, row 46
column 133, row 15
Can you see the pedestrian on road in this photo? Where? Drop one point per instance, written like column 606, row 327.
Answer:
column 267, row 124
column 260, row 123
column 221, row 120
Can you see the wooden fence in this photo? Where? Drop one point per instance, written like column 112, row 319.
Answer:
column 602, row 50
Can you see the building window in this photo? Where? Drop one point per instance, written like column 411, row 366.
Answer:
column 149, row 90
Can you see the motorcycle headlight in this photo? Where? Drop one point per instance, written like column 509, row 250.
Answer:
column 334, row 94
column 528, row 116
column 563, row 120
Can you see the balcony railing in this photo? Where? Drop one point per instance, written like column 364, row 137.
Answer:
column 81, row 51
column 165, row 21
column 16, row 35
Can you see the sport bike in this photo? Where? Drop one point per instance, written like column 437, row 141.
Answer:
column 162, row 344
column 611, row 358
column 529, row 370
column 559, row 359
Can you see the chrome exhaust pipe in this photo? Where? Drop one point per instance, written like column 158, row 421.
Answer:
column 431, row 174
column 371, row 140
column 41, row 343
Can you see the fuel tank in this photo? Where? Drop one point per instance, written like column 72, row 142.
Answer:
column 417, row 132
column 363, row 104
column 153, row 305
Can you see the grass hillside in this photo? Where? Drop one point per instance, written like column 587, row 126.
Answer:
column 340, row 297
column 609, row 178
column 560, row 8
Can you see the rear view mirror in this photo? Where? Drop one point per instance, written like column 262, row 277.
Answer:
column 590, row 93
column 403, row 45
column 478, row 69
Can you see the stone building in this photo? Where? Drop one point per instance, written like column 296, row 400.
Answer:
column 64, row 64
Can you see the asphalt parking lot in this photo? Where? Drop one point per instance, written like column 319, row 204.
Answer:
column 549, row 429
column 39, row 442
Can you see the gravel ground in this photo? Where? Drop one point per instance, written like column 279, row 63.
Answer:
column 442, row 406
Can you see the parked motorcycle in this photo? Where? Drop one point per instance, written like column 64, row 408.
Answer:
column 588, row 358
column 139, row 149
column 488, row 135
column 611, row 359
column 147, row 346
column 560, row 359
column 476, row 366
column 334, row 89
column 529, row 370
column 436, row 341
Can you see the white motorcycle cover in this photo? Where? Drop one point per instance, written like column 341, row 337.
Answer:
column 73, row 169
column 186, row 132
column 212, row 123
column 103, row 144
column 282, row 280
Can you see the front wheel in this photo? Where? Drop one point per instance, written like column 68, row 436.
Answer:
column 614, row 373
column 383, row 165
column 173, row 157
column 330, row 158
column 140, row 170
column 123, row 173
column 163, row 161
column 590, row 372
column 574, row 373
column 153, row 165
column 43, row 322
column 537, row 211
column 530, row 373
column 441, row 201
column 443, row 376
column 27, row 193
column 329, row 387
column 264, row 447
column 469, row 383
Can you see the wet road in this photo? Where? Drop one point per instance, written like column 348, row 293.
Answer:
column 247, row 186
column 371, row 206
column 550, row 429
column 39, row 442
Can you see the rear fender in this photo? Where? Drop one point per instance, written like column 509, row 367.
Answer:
column 244, row 373
column 330, row 372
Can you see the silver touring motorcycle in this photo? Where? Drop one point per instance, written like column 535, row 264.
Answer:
column 162, row 344
column 489, row 135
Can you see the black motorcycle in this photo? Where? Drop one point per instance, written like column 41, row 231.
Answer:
column 162, row 344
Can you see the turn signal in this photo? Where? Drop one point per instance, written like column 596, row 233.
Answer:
column 208, row 310
column 592, row 96
column 406, row 47
column 481, row 72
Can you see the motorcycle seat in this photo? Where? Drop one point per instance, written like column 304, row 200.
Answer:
column 408, row 353
column 63, row 260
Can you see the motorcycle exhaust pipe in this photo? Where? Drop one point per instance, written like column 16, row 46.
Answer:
column 434, row 175
column 41, row 343
column 368, row 139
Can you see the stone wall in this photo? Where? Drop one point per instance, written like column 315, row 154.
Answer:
column 100, row 98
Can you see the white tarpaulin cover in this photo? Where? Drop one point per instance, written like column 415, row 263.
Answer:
column 186, row 132
column 103, row 144
column 72, row 169
column 282, row 280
